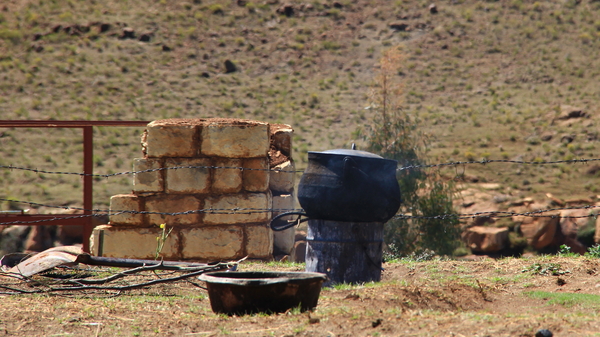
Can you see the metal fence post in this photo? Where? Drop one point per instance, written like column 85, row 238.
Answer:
column 88, row 181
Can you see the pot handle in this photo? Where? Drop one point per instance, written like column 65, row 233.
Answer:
column 280, row 227
column 350, row 165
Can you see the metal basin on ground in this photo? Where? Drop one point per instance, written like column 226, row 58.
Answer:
column 238, row 293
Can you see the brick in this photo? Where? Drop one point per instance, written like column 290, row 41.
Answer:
column 151, row 181
column 165, row 203
column 258, row 201
column 256, row 180
column 126, row 202
column 171, row 138
column 213, row 243
column 283, row 203
column 226, row 180
column 187, row 180
column 281, row 138
column 132, row 243
column 282, row 177
column 259, row 242
column 247, row 140
column 283, row 241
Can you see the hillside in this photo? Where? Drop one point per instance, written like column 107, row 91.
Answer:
column 487, row 79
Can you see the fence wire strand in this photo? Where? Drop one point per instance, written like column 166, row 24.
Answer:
column 105, row 212
column 231, row 211
column 95, row 175
column 506, row 161
column 240, row 168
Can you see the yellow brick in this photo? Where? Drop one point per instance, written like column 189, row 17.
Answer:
column 259, row 242
column 213, row 243
column 227, row 180
column 132, row 243
column 224, row 204
column 256, row 180
column 166, row 138
column 151, row 181
column 282, row 177
column 187, row 180
column 283, row 241
column 126, row 202
column 165, row 203
column 235, row 140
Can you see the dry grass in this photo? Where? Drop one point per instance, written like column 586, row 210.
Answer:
column 432, row 298
column 485, row 78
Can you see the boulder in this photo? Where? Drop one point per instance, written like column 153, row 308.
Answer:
column 104, row 27
column 486, row 239
column 286, row 9
column 579, row 201
column 40, row 238
column 568, row 112
column 483, row 220
column 547, row 136
column 567, row 138
column 540, row 233
column 399, row 26
column 145, row 37
column 230, row 67
column 554, row 201
column 521, row 219
column 127, row 33
column 12, row 238
column 571, row 223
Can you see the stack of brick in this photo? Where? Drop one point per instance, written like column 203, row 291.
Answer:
column 213, row 177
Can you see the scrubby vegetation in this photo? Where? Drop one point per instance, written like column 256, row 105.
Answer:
column 487, row 79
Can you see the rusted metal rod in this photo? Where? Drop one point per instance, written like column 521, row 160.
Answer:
column 88, row 189
column 66, row 124
column 88, row 170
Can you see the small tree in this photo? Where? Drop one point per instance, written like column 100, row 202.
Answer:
column 395, row 134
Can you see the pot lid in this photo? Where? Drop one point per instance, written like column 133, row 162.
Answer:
column 349, row 152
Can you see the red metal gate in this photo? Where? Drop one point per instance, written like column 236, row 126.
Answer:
column 88, row 170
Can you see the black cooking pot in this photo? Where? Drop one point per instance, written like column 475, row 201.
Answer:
column 348, row 185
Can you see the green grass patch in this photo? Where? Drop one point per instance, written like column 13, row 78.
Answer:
column 553, row 269
column 567, row 299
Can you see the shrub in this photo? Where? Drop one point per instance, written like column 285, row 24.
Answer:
column 216, row 9
column 594, row 251
column 396, row 134
column 14, row 36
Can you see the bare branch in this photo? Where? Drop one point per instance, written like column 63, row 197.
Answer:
column 39, row 284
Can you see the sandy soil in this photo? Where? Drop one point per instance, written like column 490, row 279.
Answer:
column 508, row 297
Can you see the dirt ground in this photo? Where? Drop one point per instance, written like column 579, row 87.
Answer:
column 507, row 297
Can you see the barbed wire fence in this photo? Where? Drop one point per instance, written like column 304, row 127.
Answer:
column 543, row 213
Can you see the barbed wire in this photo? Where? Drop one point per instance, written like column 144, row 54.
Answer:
column 506, row 214
column 95, row 175
column 490, row 161
column 104, row 212
column 231, row 211
column 240, row 168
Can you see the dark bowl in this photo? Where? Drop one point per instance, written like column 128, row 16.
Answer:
column 239, row 293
